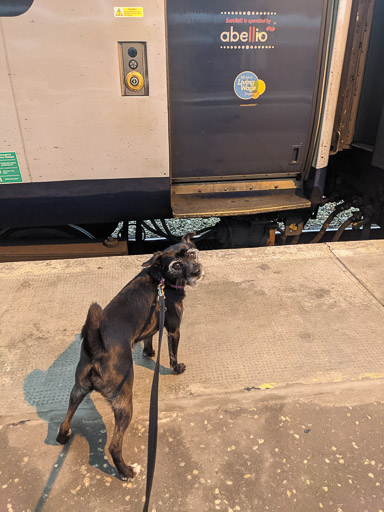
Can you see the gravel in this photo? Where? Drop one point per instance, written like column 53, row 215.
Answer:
column 178, row 227
column 324, row 213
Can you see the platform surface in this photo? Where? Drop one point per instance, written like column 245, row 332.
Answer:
column 281, row 406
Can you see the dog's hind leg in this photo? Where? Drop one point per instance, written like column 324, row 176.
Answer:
column 78, row 393
column 122, row 409
column 148, row 348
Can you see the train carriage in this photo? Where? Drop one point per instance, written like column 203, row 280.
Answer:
column 259, row 111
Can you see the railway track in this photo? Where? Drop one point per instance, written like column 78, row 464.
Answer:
column 70, row 249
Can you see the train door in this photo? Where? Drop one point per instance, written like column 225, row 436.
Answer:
column 244, row 82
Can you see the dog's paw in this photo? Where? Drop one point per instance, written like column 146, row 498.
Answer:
column 179, row 368
column 148, row 352
column 129, row 472
column 63, row 437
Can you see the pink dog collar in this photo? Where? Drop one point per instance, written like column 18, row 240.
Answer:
column 177, row 287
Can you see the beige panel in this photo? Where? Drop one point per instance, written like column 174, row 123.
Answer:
column 65, row 72
column 10, row 136
column 321, row 157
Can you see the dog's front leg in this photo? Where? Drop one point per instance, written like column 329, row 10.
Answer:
column 173, row 344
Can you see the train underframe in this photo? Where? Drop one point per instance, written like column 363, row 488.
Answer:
column 352, row 185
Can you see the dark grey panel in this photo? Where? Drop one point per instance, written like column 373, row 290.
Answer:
column 214, row 132
column 378, row 153
column 14, row 7
column 81, row 202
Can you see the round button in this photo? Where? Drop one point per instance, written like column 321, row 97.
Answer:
column 134, row 81
column 132, row 52
column 133, row 64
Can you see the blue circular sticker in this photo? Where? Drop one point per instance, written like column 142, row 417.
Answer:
column 245, row 85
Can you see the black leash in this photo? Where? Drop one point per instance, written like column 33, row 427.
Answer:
column 153, row 408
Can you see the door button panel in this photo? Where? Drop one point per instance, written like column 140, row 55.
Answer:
column 133, row 68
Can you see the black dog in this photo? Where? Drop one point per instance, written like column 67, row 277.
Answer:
column 106, row 363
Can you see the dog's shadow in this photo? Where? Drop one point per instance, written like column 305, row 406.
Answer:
column 49, row 391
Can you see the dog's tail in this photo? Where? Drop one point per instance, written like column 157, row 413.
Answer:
column 92, row 341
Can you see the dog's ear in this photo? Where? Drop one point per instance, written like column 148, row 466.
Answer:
column 188, row 237
column 156, row 260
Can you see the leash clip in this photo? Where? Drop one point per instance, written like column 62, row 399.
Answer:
column 160, row 288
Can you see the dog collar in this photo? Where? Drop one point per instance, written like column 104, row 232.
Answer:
column 176, row 287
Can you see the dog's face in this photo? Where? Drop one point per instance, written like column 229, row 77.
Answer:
column 178, row 265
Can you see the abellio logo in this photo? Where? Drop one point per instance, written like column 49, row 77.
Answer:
column 251, row 36
column 248, row 86
column 248, row 30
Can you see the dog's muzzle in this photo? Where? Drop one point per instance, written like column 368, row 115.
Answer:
column 195, row 274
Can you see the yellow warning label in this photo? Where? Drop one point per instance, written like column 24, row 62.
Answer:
column 128, row 12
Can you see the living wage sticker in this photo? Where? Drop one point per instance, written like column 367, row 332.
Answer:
column 248, row 86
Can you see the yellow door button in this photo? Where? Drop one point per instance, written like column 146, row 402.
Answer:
column 134, row 81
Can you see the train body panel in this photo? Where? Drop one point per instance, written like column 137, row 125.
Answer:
column 66, row 117
column 185, row 109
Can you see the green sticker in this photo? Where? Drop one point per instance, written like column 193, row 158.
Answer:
column 9, row 168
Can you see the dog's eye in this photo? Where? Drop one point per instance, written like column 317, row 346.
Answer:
column 176, row 265
column 192, row 254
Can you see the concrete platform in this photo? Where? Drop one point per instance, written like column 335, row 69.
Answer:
column 281, row 406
